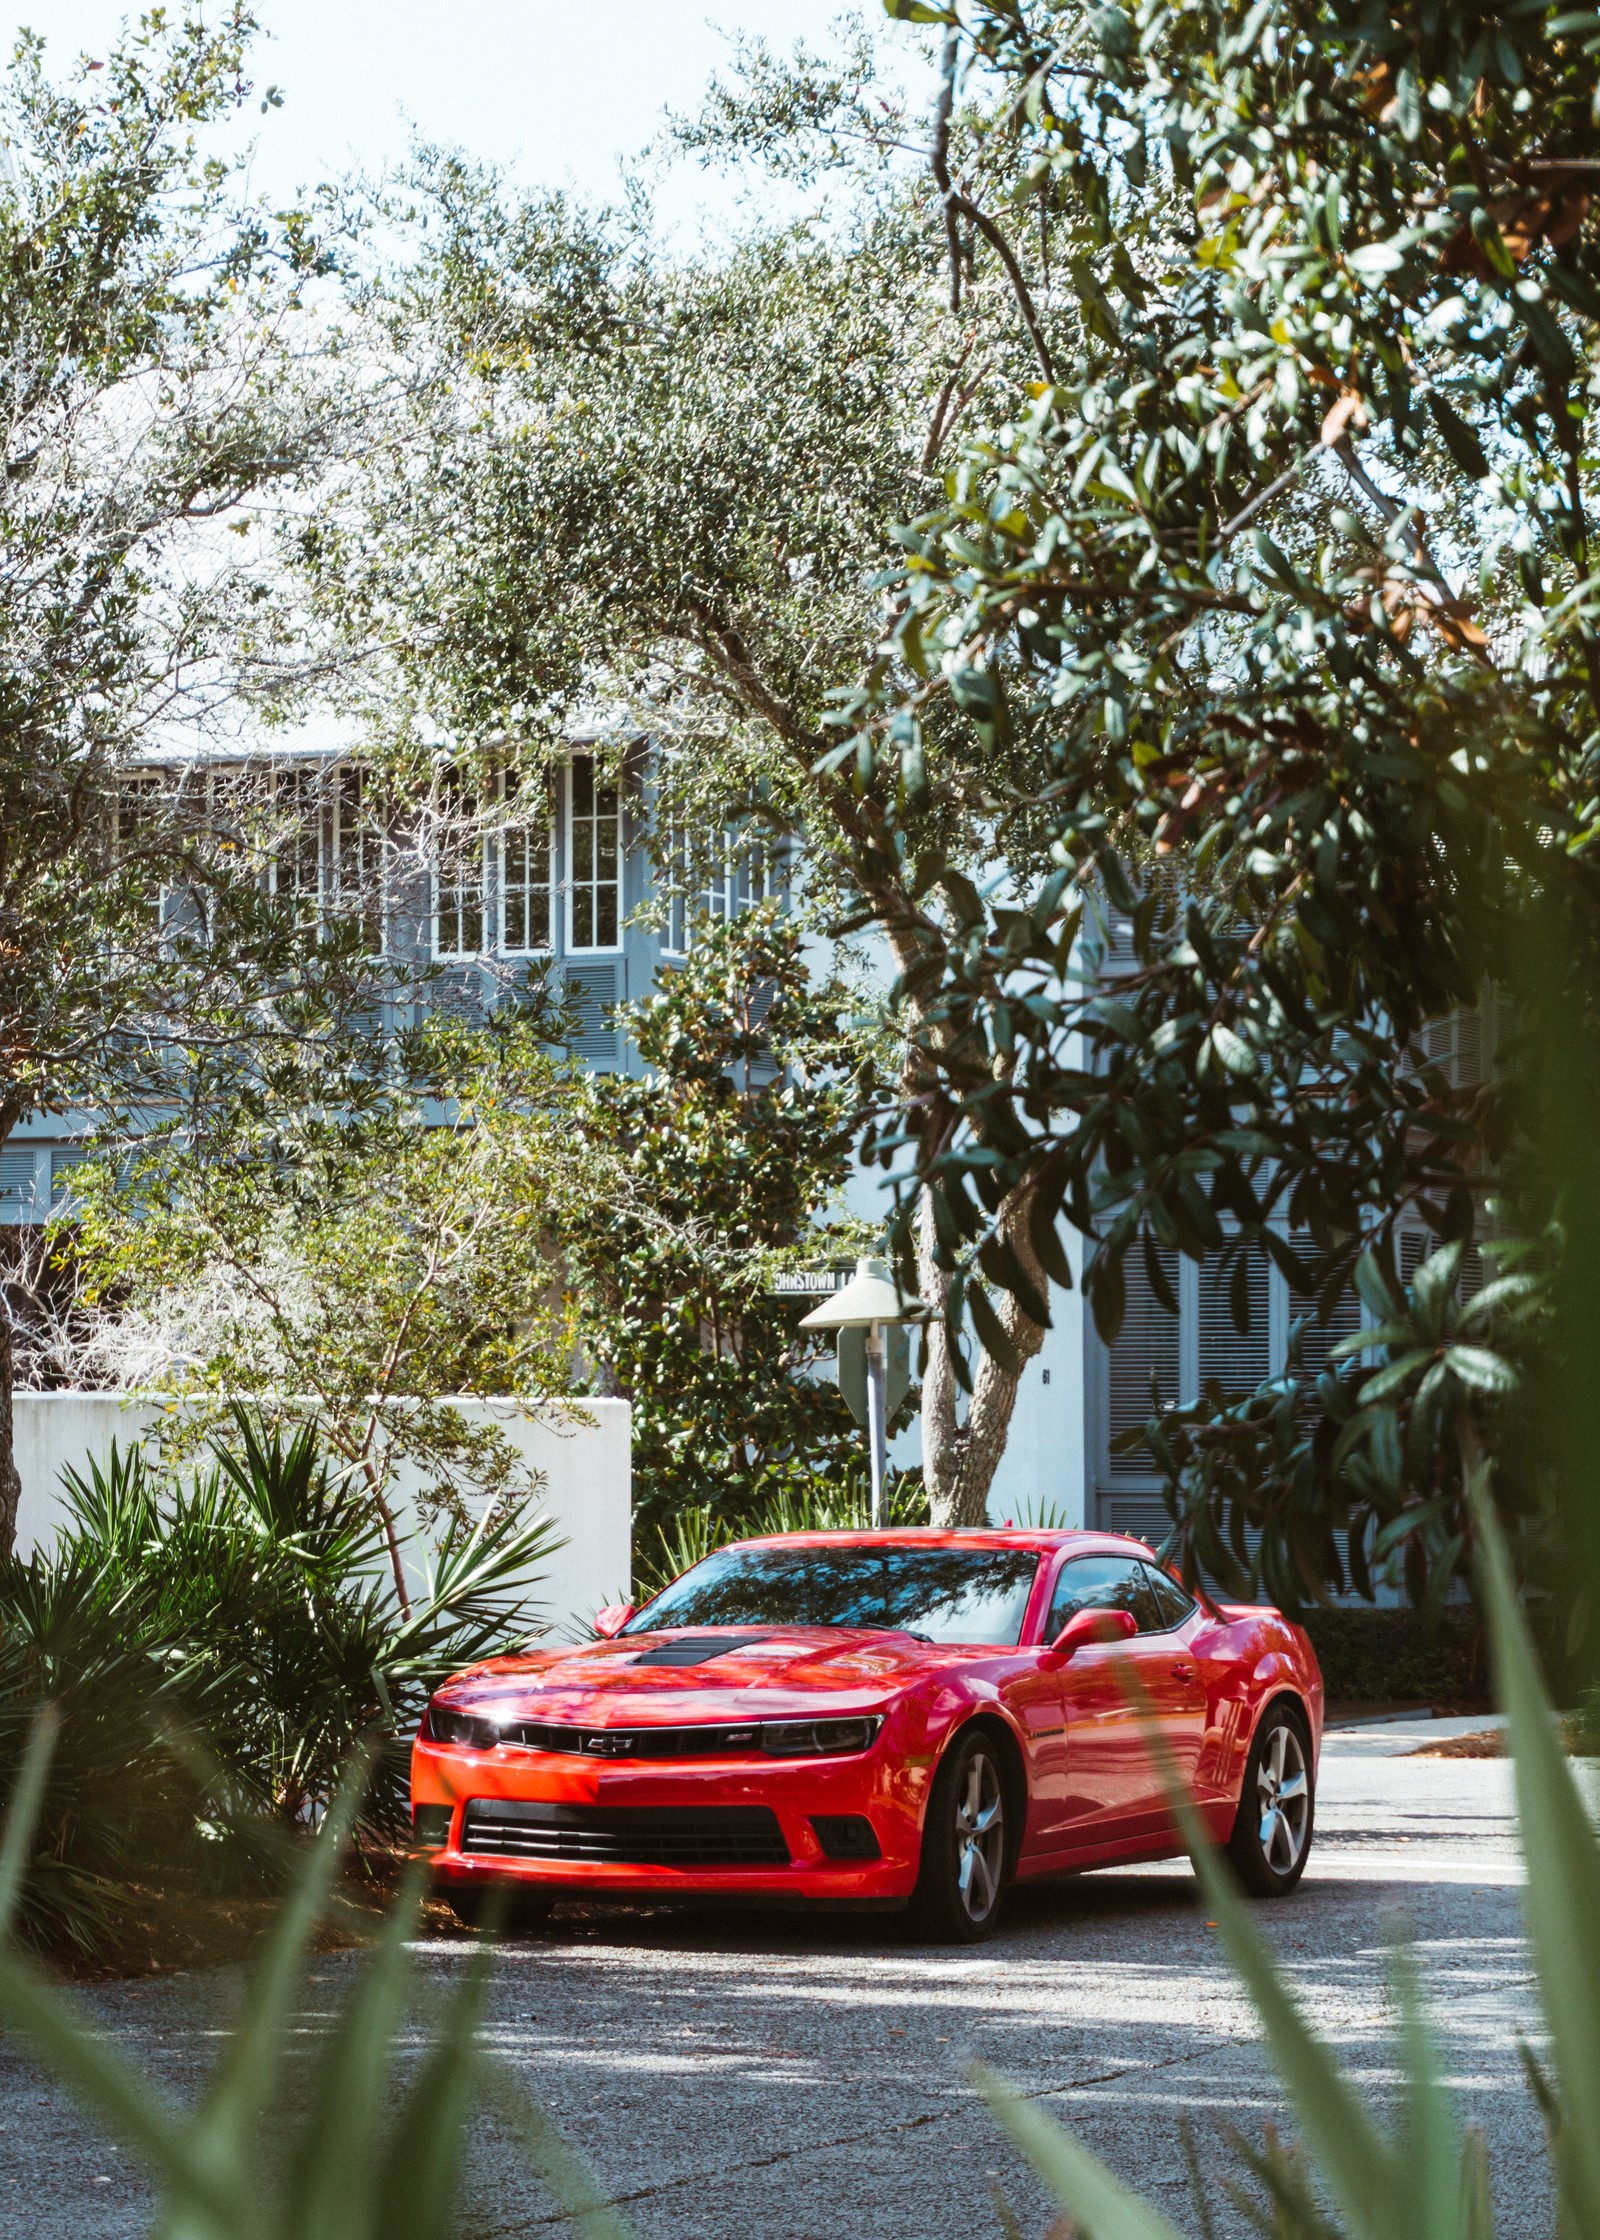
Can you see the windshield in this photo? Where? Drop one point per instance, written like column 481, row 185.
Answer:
column 943, row 1594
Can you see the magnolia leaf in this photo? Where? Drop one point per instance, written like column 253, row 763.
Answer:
column 1396, row 1376
column 1482, row 1370
column 991, row 1332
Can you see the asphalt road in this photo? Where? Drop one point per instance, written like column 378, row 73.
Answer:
column 757, row 2076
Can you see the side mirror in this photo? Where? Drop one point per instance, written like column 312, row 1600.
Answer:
column 1086, row 1627
column 609, row 1622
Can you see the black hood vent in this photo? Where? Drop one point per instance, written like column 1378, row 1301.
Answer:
column 700, row 1648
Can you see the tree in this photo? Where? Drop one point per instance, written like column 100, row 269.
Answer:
column 152, row 389
column 371, row 1262
column 1294, row 558
column 721, row 1164
column 664, row 487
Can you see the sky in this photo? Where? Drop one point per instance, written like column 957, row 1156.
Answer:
column 556, row 89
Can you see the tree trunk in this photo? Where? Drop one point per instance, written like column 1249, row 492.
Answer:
column 959, row 1459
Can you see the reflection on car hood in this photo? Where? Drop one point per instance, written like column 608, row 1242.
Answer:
column 771, row 1674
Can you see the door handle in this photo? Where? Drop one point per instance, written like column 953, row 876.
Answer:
column 1183, row 1672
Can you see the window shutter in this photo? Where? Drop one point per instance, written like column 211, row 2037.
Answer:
column 1236, row 1359
column 1147, row 1343
column 593, row 990
column 1318, row 1339
column 17, row 1166
column 62, row 1161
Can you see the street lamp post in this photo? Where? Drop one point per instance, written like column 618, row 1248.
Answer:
column 870, row 1303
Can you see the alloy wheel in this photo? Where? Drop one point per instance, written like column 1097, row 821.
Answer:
column 980, row 1837
column 1283, row 1795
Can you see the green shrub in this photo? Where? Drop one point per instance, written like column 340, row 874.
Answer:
column 75, row 1653
column 1395, row 1656
column 242, row 1620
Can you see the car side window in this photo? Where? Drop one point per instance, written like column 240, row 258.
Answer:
column 1104, row 1583
column 1171, row 1600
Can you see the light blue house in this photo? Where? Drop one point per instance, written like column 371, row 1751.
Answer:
column 489, row 889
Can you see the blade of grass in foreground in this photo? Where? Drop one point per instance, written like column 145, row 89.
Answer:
column 416, row 2197
column 590, row 2214
column 1562, row 1862
column 1079, row 2180
column 22, row 1815
column 1360, row 2166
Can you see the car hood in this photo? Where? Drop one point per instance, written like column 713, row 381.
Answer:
column 770, row 1672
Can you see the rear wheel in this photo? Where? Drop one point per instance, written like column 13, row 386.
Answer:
column 962, row 1877
column 1271, row 1837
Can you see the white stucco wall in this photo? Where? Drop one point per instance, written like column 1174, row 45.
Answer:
column 587, row 1469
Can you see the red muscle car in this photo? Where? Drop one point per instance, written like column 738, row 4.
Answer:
column 875, row 1719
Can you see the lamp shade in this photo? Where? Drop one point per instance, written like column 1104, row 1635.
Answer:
column 871, row 1295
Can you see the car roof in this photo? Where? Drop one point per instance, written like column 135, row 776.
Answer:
column 1040, row 1541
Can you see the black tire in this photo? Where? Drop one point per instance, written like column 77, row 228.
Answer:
column 514, row 1913
column 1273, row 1827
column 966, row 1845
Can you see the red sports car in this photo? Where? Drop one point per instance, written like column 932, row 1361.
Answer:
column 874, row 1719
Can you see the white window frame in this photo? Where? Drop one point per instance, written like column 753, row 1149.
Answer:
column 303, row 779
column 333, row 884
column 461, row 954
column 742, row 878
column 507, row 828
column 571, row 882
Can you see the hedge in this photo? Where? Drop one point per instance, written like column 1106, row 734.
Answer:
column 1390, row 1656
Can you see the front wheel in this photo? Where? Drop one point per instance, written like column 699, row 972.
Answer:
column 1277, row 1806
column 962, row 1877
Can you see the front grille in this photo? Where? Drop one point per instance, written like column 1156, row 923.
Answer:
column 741, row 1740
column 633, row 1835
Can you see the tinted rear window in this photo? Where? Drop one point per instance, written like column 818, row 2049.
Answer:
column 947, row 1594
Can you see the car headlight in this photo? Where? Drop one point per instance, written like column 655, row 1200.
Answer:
column 439, row 1725
column 819, row 1738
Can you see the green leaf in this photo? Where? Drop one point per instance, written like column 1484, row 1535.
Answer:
column 1376, row 1288
column 999, row 1262
column 22, row 1813
column 1482, row 1370
column 1044, row 1209
column 417, row 2190
column 1433, row 1284
column 1398, row 1374
column 1362, row 2169
column 1105, row 2207
column 115, row 2094
column 1561, row 1899
column 1459, row 440
column 991, row 1332
column 590, row 2214
column 1231, row 1050
column 1430, row 2133
column 333, row 2173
